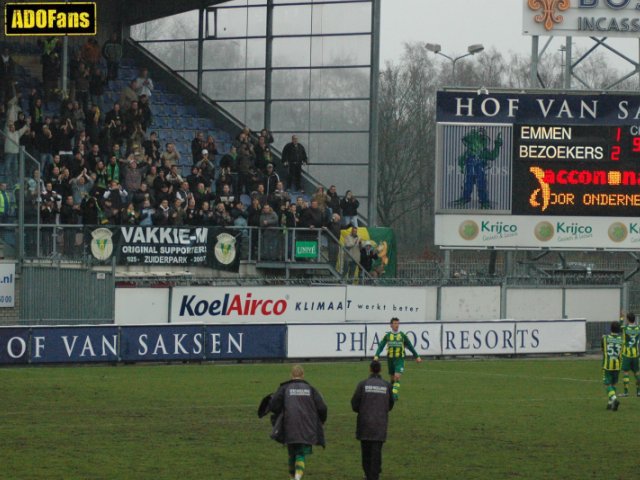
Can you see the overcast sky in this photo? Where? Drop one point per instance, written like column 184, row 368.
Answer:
column 456, row 24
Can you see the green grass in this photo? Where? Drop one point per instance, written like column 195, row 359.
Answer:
column 493, row 419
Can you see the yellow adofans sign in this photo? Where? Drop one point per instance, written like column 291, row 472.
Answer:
column 50, row 18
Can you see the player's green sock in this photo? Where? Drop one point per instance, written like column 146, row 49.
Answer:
column 625, row 380
column 292, row 465
column 299, row 466
column 611, row 392
column 396, row 390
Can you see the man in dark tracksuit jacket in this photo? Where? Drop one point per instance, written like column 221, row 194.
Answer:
column 304, row 412
column 372, row 401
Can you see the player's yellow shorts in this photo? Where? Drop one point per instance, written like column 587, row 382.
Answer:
column 395, row 365
column 630, row 364
column 610, row 377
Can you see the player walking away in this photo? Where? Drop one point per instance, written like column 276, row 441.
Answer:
column 372, row 401
column 630, row 353
column 396, row 341
column 611, row 353
column 303, row 414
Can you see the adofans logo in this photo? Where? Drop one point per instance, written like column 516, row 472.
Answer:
column 50, row 18
column 550, row 9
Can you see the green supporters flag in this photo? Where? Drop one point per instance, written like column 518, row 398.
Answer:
column 224, row 248
column 385, row 239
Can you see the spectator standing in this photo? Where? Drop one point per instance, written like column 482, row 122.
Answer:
column 302, row 413
column 228, row 160
column 91, row 53
column 321, row 197
column 271, row 180
column 146, row 116
column 349, row 206
column 152, row 148
column 51, row 74
column 36, row 113
column 82, row 86
column 263, row 153
column 5, row 204
column 132, row 174
column 69, row 215
column 97, row 84
column 210, row 146
column 197, row 146
column 161, row 215
column 268, row 221
column 170, row 155
column 333, row 201
column 128, row 95
column 12, row 148
column 294, row 156
column 207, row 168
column 112, row 52
column 312, row 217
column 7, row 74
column 372, row 401
column 334, row 228
column 81, row 186
column 145, row 84
column 367, row 255
column 352, row 245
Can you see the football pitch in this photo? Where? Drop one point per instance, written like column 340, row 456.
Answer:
column 456, row 419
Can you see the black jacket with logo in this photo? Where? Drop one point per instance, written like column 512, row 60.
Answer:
column 304, row 413
column 372, row 400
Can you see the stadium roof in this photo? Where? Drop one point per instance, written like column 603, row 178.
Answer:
column 138, row 11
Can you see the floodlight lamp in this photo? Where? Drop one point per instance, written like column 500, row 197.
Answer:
column 434, row 47
column 476, row 48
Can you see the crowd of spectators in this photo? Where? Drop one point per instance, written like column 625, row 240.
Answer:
column 110, row 168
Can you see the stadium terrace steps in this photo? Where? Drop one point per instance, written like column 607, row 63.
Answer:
column 173, row 118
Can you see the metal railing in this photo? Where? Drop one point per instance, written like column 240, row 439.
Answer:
column 21, row 190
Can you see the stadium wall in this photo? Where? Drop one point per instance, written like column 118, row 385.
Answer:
column 199, row 342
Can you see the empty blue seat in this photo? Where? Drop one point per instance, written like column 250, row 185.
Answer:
column 159, row 122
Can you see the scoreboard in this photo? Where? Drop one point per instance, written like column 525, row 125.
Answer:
column 537, row 170
column 576, row 170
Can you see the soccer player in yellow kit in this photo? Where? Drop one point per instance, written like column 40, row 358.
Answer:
column 611, row 353
column 630, row 353
column 396, row 341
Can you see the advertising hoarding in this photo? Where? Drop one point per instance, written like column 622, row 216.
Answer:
column 608, row 18
column 567, row 163
column 379, row 304
column 219, row 305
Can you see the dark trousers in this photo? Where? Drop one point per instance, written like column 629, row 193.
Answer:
column 295, row 176
column 371, row 459
column 112, row 69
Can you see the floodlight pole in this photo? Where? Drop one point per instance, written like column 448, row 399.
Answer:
column 472, row 50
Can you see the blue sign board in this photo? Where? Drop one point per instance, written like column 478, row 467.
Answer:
column 74, row 344
column 151, row 343
column 231, row 342
column 14, row 345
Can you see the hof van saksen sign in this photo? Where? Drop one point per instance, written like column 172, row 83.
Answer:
column 611, row 18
